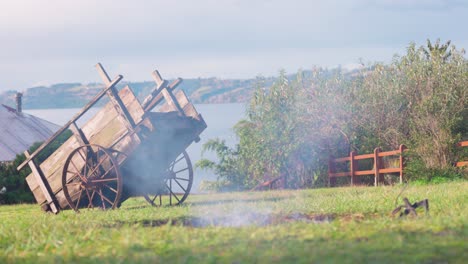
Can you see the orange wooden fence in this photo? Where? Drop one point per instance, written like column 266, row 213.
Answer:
column 462, row 163
column 378, row 171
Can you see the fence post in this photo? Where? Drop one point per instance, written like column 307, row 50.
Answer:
column 377, row 165
column 402, row 162
column 331, row 169
column 353, row 167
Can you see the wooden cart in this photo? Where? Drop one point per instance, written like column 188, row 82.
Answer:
column 124, row 150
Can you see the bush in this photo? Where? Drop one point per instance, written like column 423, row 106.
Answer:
column 17, row 190
column 292, row 128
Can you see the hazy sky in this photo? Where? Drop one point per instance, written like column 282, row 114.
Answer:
column 44, row 42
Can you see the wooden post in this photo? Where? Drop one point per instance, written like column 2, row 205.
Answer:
column 377, row 165
column 115, row 99
column 172, row 101
column 353, row 167
column 41, row 180
column 79, row 135
column 153, row 101
column 160, row 84
column 331, row 170
column 402, row 162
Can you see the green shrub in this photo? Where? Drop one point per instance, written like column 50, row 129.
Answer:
column 292, row 128
column 17, row 190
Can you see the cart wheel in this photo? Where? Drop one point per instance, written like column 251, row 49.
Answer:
column 177, row 183
column 91, row 178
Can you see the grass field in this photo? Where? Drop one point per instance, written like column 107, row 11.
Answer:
column 339, row 225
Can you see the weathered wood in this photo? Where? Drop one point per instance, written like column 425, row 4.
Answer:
column 389, row 170
column 122, row 124
column 462, row 163
column 341, row 174
column 402, row 148
column 115, row 99
column 377, row 165
column 160, row 84
column 365, row 156
column 36, row 171
column 172, row 101
column 159, row 97
column 65, row 127
column 80, row 137
column 353, row 167
column 104, row 128
column 389, row 153
column 158, row 79
column 365, row 172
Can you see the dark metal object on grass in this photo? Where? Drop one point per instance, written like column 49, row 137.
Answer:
column 410, row 209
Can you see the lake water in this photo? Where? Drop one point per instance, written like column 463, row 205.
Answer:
column 220, row 119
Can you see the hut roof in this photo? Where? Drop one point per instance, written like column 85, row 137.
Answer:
column 18, row 131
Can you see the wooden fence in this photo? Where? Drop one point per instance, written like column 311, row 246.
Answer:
column 462, row 163
column 378, row 170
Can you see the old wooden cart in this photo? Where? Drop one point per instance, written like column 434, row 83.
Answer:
column 124, row 150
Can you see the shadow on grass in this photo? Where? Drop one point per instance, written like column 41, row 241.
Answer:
column 230, row 220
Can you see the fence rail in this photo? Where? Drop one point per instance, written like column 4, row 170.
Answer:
column 378, row 170
column 462, row 163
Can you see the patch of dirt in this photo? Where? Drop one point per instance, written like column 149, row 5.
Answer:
column 239, row 220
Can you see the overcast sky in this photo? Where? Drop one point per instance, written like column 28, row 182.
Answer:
column 44, row 42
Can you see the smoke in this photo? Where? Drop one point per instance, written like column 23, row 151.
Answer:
column 252, row 211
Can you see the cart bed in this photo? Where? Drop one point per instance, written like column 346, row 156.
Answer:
column 102, row 129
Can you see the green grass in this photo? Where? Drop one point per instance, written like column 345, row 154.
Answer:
column 248, row 227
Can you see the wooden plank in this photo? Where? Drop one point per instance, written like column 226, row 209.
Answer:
column 184, row 103
column 461, row 164
column 157, row 78
column 365, row 156
column 172, row 101
column 105, row 122
column 52, row 167
column 159, row 97
column 80, row 137
column 126, row 145
column 160, row 84
column 115, row 99
column 366, row 172
column 353, row 167
column 65, row 127
column 340, row 174
column 42, row 183
column 389, row 153
column 462, row 144
column 377, row 164
column 402, row 162
column 389, row 170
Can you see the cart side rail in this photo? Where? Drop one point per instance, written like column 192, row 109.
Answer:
column 72, row 121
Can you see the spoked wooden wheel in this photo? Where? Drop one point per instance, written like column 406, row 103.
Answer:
column 175, row 184
column 91, row 178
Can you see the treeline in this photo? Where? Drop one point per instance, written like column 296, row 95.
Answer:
column 420, row 100
column 75, row 95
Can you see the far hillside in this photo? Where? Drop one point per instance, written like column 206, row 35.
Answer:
column 199, row 90
column 75, row 95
